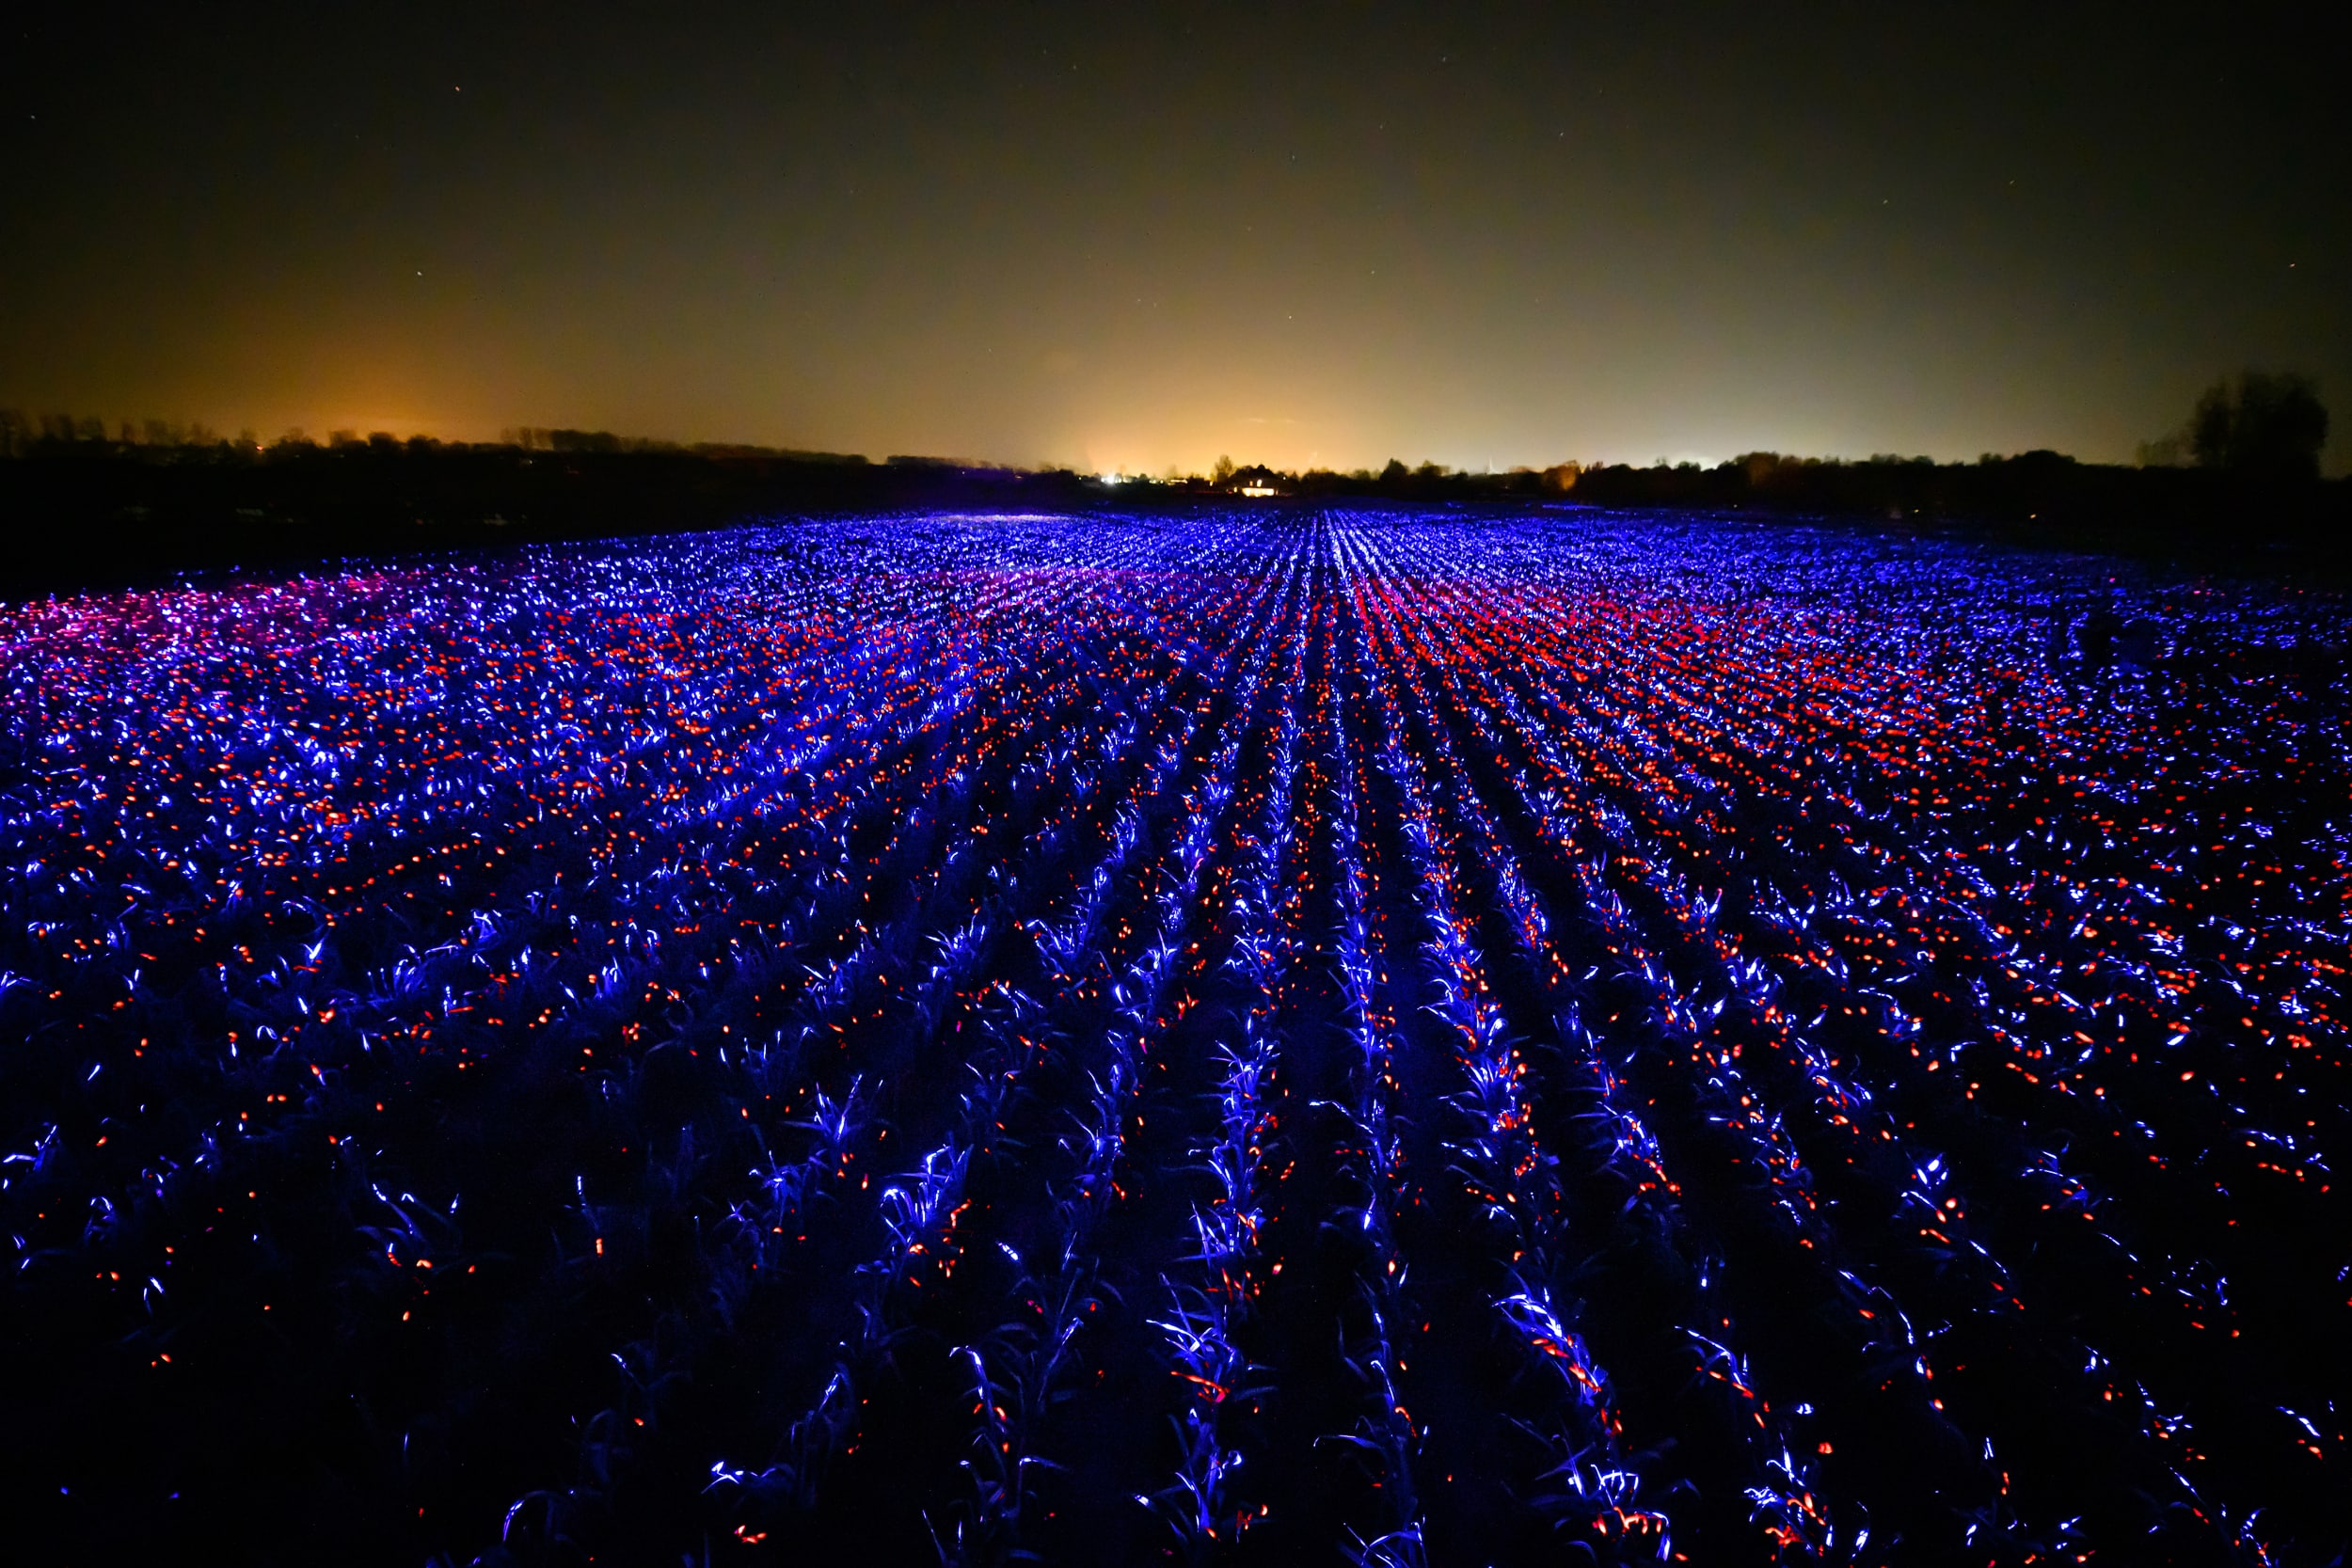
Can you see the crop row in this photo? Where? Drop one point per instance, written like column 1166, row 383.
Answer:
column 1383, row 1037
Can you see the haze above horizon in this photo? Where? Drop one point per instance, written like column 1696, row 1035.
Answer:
column 1131, row 241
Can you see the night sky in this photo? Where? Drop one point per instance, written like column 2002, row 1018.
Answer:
column 1129, row 239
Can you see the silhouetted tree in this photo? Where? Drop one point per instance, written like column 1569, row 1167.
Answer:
column 2265, row 427
column 1222, row 471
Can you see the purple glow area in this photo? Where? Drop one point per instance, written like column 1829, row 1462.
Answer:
column 1419, row 1035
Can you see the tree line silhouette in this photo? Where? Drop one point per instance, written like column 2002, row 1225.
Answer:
column 2268, row 426
column 82, row 502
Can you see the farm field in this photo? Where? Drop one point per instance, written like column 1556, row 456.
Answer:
column 1268, row 1038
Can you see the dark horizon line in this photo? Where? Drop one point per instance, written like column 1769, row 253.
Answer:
column 23, row 436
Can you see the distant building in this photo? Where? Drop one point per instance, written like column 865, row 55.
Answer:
column 1257, row 480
